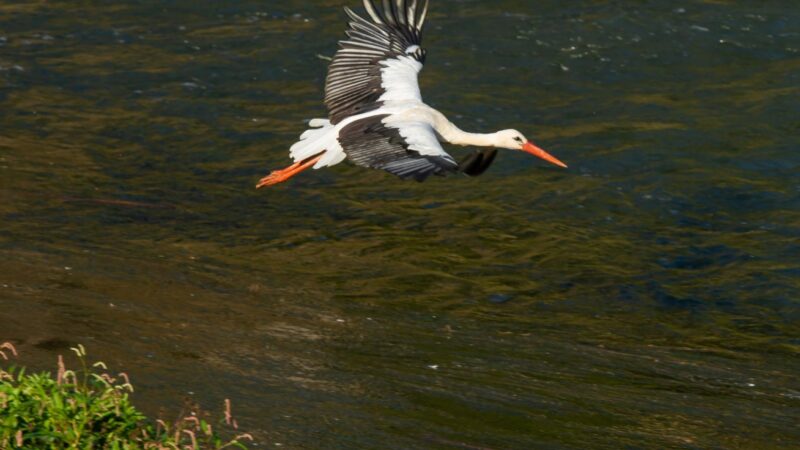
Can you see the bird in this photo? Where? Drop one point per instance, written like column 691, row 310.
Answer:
column 376, row 116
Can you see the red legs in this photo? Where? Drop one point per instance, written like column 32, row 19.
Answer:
column 279, row 176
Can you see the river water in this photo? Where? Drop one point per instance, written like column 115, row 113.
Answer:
column 648, row 297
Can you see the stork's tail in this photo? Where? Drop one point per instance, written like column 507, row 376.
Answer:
column 318, row 147
column 321, row 137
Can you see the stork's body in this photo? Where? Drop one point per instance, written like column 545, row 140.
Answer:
column 377, row 118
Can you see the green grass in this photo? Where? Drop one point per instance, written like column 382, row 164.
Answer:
column 91, row 409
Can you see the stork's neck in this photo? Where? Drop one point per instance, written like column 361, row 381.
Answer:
column 454, row 135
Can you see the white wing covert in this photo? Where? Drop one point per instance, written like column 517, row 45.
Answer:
column 406, row 149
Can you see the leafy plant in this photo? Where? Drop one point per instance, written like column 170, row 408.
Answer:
column 90, row 408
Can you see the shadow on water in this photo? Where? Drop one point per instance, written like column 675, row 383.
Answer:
column 646, row 298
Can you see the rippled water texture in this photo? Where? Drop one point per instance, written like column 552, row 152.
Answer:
column 645, row 298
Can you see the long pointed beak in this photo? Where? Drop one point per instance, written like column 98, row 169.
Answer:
column 536, row 151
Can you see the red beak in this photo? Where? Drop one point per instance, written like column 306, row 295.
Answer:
column 536, row 151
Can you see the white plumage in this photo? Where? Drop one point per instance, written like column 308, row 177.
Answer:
column 320, row 137
column 377, row 116
column 399, row 79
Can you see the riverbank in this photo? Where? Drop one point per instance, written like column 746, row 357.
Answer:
column 90, row 407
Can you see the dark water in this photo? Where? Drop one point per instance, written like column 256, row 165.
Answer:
column 649, row 297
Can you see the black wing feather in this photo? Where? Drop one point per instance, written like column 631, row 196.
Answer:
column 477, row 162
column 370, row 143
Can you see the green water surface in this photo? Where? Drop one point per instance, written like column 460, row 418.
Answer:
column 648, row 297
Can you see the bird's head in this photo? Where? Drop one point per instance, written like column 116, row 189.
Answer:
column 514, row 140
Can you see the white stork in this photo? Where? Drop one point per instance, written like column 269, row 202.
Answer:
column 376, row 115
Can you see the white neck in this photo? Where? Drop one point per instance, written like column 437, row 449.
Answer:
column 454, row 135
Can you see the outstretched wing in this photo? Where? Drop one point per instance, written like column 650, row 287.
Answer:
column 407, row 149
column 379, row 61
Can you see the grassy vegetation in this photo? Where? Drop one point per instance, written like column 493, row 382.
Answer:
column 90, row 408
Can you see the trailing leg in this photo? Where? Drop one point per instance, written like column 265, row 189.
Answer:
column 279, row 176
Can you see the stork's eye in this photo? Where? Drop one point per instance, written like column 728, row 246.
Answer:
column 518, row 139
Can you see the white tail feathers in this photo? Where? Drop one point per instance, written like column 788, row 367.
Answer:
column 321, row 137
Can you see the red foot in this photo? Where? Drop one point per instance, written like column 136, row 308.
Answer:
column 279, row 176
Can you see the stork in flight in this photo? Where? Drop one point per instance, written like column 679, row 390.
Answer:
column 377, row 118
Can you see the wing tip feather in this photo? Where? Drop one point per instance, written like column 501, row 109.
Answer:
column 395, row 13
